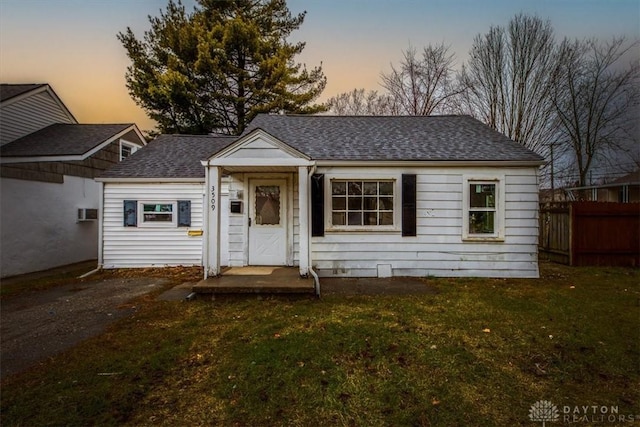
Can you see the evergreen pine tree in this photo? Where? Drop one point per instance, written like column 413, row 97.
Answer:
column 214, row 69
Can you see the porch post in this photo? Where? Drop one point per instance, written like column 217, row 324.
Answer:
column 213, row 232
column 303, row 200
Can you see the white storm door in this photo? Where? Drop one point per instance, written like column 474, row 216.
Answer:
column 268, row 222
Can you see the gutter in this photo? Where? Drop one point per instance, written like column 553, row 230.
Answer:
column 316, row 279
column 431, row 163
column 100, row 233
column 151, row 180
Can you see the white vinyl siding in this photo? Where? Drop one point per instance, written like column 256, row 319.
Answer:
column 150, row 246
column 29, row 115
column 439, row 248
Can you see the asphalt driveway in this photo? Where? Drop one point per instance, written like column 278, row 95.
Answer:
column 40, row 324
column 37, row 325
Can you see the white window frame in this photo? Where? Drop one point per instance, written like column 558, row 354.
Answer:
column 133, row 148
column 328, row 203
column 499, row 217
column 161, row 224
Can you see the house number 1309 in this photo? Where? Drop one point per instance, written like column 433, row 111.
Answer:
column 213, row 197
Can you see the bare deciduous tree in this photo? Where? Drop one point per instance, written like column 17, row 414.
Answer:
column 422, row 85
column 596, row 101
column 508, row 81
column 358, row 102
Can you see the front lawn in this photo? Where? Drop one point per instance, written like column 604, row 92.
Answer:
column 479, row 352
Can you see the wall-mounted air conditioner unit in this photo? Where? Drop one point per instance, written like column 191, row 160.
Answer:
column 85, row 214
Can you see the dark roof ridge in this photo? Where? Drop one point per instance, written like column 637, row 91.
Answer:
column 365, row 115
column 188, row 135
column 96, row 124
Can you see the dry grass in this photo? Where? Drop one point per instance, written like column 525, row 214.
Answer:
column 480, row 352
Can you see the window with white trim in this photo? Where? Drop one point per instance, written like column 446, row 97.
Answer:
column 362, row 203
column 127, row 149
column 157, row 214
column 483, row 213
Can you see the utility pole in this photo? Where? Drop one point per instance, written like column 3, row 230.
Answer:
column 553, row 189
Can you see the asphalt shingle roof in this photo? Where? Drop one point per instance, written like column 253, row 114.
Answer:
column 633, row 177
column 62, row 140
column 8, row 91
column 170, row 156
column 439, row 138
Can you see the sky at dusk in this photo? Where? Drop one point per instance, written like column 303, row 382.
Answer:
column 72, row 44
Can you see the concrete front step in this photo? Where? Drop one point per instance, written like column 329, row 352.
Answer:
column 247, row 280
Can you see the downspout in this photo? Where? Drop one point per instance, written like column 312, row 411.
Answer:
column 95, row 270
column 100, row 233
column 316, row 279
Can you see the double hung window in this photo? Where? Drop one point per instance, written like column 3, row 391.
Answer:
column 157, row 213
column 138, row 213
column 362, row 203
column 483, row 209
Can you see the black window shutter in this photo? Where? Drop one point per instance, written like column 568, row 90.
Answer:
column 408, row 205
column 130, row 213
column 184, row 213
column 317, row 205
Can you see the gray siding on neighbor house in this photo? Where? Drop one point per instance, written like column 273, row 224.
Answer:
column 55, row 171
column 29, row 115
column 40, row 227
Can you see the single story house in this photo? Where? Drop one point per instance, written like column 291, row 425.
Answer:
column 625, row 189
column 343, row 196
column 48, row 162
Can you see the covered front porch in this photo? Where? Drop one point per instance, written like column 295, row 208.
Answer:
column 262, row 280
column 268, row 217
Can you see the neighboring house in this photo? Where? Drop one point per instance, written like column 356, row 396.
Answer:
column 548, row 195
column 625, row 189
column 345, row 196
column 48, row 162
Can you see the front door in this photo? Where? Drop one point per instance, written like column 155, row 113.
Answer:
column 268, row 222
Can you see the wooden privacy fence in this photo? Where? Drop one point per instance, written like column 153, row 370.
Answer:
column 590, row 233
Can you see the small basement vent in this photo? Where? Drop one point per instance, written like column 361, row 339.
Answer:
column 85, row 214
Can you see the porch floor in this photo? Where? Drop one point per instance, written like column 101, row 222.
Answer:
column 269, row 280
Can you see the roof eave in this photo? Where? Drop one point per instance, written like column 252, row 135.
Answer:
column 73, row 157
column 430, row 163
column 36, row 159
column 197, row 180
